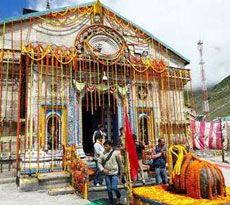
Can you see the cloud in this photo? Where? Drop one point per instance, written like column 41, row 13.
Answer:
column 180, row 24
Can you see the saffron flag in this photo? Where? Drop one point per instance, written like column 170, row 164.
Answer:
column 131, row 149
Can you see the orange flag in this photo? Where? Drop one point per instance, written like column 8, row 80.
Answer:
column 131, row 149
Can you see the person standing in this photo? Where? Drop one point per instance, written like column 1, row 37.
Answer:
column 99, row 131
column 110, row 164
column 121, row 139
column 139, row 148
column 98, row 150
column 159, row 162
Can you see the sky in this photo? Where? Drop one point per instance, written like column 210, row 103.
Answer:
column 178, row 23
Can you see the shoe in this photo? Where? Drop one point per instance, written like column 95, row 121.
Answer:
column 118, row 201
column 102, row 182
column 97, row 184
column 143, row 182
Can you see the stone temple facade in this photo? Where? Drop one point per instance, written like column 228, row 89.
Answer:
column 64, row 71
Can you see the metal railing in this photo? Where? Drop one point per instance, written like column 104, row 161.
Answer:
column 7, row 154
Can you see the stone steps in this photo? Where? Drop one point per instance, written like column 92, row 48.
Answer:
column 61, row 191
column 7, row 180
column 53, row 176
column 47, row 181
column 103, row 188
column 93, row 188
column 54, row 180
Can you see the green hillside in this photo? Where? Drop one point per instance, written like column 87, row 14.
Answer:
column 219, row 99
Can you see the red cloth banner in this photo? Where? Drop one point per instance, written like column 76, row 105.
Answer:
column 202, row 134
column 207, row 134
column 131, row 149
column 210, row 141
column 219, row 136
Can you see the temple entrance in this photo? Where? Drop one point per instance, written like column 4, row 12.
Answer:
column 53, row 127
column 145, row 125
column 105, row 115
column 53, row 132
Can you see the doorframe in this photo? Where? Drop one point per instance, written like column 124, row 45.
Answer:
column 53, row 114
column 80, row 124
column 44, row 120
column 148, row 112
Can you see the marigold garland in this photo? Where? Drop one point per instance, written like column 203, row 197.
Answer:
column 63, row 23
column 62, row 54
column 79, row 170
column 193, row 179
column 183, row 171
column 160, row 194
column 67, row 55
column 187, row 171
column 125, row 25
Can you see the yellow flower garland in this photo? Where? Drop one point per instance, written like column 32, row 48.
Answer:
column 160, row 194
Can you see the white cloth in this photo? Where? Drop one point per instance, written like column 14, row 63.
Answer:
column 98, row 150
column 103, row 134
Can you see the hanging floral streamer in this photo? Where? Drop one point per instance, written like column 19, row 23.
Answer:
column 102, row 88
column 154, row 194
column 60, row 53
column 125, row 25
column 66, row 21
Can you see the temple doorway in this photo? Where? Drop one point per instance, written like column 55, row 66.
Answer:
column 145, row 125
column 53, row 124
column 105, row 115
column 53, row 132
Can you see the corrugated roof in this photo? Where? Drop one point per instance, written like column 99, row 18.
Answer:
column 42, row 13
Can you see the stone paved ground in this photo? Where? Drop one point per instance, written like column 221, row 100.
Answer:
column 226, row 172
column 9, row 195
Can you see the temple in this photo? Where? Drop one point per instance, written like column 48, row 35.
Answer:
column 64, row 71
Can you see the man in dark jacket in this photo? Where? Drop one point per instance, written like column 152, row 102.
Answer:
column 159, row 162
column 139, row 148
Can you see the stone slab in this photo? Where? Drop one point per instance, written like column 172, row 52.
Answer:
column 8, row 180
column 53, row 175
column 52, row 186
column 61, row 191
column 28, row 184
column 54, row 181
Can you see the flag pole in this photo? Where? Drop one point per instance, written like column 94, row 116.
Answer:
column 126, row 159
column 129, row 185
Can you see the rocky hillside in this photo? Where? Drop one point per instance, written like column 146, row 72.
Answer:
column 219, row 99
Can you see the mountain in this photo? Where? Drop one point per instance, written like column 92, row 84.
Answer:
column 218, row 97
